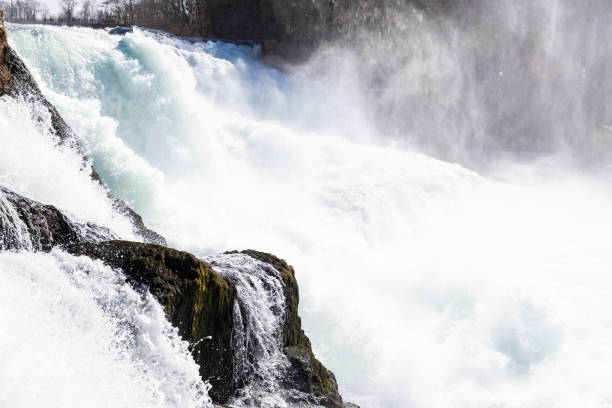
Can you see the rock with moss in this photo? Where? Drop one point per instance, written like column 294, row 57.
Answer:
column 306, row 374
column 196, row 299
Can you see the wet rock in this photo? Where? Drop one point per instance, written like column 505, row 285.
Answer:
column 138, row 224
column 306, row 374
column 121, row 30
column 196, row 299
column 20, row 84
column 27, row 224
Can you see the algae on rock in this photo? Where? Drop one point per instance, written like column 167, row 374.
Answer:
column 196, row 299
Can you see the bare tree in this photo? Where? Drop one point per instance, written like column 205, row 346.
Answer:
column 88, row 10
column 45, row 13
column 68, row 7
column 6, row 8
column 31, row 9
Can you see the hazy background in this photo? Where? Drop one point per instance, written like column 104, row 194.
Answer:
column 484, row 80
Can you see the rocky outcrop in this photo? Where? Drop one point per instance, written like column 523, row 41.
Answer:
column 27, row 224
column 197, row 300
column 200, row 303
column 5, row 79
column 138, row 224
column 17, row 81
column 306, row 373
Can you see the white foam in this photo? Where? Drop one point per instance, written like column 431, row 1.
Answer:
column 33, row 164
column 75, row 334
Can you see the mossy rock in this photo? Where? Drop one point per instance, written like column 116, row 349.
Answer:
column 306, row 374
column 196, row 299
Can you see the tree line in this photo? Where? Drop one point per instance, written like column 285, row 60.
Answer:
column 179, row 16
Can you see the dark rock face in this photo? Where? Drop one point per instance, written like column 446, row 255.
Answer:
column 294, row 28
column 306, row 373
column 17, row 81
column 27, row 224
column 197, row 300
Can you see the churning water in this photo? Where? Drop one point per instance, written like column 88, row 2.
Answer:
column 75, row 334
column 423, row 283
column 259, row 363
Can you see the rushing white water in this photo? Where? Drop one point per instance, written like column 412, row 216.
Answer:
column 33, row 165
column 258, row 337
column 423, row 283
column 14, row 233
column 75, row 334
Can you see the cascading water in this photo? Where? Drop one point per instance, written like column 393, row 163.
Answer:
column 75, row 334
column 14, row 233
column 259, row 362
column 33, row 165
column 423, row 283
column 25, row 225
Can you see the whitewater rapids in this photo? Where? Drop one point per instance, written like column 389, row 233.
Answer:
column 423, row 283
column 75, row 334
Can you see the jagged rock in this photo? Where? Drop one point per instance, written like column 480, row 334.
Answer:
column 196, row 299
column 306, row 373
column 27, row 224
column 138, row 224
column 17, row 81
column 121, row 30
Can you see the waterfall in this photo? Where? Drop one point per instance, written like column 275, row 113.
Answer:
column 75, row 334
column 14, row 233
column 260, row 364
column 424, row 282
